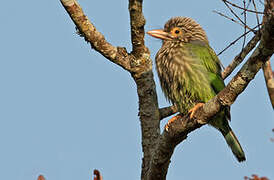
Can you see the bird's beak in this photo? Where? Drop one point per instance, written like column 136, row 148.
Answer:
column 159, row 33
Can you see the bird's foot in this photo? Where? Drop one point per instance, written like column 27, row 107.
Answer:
column 171, row 120
column 195, row 108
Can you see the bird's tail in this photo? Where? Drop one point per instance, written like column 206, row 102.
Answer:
column 234, row 144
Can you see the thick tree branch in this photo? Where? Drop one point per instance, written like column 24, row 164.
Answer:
column 143, row 76
column 149, row 117
column 137, row 23
column 118, row 55
column 177, row 130
column 240, row 57
column 141, row 62
column 167, row 111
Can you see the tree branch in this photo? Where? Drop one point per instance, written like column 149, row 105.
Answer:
column 235, row 21
column 243, row 8
column 233, row 42
column 177, row 130
column 143, row 76
column 117, row 55
column 240, row 57
column 167, row 111
column 137, row 22
column 231, row 10
column 269, row 80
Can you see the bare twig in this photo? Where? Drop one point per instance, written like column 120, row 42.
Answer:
column 232, row 4
column 245, row 26
column 231, row 10
column 233, row 20
column 248, row 3
column 167, row 111
column 240, row 57
column 237, row 39
column 255, row 8
column 269, row 80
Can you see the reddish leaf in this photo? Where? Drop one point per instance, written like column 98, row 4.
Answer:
column 40, row 177
column 255, row 177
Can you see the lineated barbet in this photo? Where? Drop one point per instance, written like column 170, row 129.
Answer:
column 190, row 73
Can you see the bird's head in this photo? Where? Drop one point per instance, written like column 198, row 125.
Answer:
column 180, row 29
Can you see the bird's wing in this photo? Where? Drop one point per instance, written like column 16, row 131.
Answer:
column 209, row 59
column 216, row 82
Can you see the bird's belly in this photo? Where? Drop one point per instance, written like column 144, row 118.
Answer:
column 186, row 92
column 184, row 98
column 184, row 79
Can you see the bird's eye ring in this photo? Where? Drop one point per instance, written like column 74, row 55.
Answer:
column 176, row 32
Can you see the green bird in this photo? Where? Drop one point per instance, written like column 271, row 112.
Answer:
column 190, row 73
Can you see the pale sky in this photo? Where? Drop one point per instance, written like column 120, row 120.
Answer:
column 66, row 110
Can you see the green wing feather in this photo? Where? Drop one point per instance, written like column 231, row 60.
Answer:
column 210, row 61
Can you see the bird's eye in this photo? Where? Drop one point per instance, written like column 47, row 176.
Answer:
column 176, row 32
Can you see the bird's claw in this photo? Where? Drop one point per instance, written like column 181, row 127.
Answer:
column 171, row 120
column 195, row 108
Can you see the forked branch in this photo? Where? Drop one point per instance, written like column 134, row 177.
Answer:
column 138, row 63
column 248, row 10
